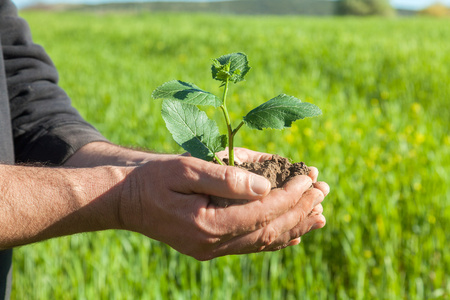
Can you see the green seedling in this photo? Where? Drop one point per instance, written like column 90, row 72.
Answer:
column 196, row 133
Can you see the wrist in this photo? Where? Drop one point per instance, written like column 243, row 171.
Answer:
column 109, row 187
column 128, row 202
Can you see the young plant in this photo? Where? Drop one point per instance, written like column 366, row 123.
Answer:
column 199, row 135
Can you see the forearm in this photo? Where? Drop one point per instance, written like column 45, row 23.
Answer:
column 41, row 203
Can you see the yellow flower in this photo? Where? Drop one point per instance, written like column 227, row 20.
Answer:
column 290, row 139
column 376, row 271
column 358, row 132
column 182, row 58
column 409, row 129
column 384, row 95
column 337, row 137
column 381, row 132
column 347, row 218
column 417, row 186
column 388, row 126
column 381, row 227
column 233, row 115
column 320, row 145
column 376, row 111
column 374, row 152
column 271, row 147
column 294, row 128
column 447, row 140
column 307, row 131
column 416, row 108
column 370, row 164
column 419, row 138
column 349, row 160
column 431, row 219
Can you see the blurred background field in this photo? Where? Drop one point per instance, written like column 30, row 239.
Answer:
column 382, row 144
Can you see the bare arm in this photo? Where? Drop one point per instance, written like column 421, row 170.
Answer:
column 41, row 203
column 38, row 203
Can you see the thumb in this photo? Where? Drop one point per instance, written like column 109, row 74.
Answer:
column 226, row 181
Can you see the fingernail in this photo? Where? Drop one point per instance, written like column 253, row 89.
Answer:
column 259, row 185
column 320, row 224
column 295, row 242
column 316, row 226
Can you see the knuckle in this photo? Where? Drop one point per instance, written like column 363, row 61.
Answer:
column 185, row 170
column 307, row 181
column 231, row 177
column 279, row 248
column 209, row 241
column 267, row 237
column 302, row 215
column 280, row 244
column 265, row 218
column 314, row 194
column 208, row 233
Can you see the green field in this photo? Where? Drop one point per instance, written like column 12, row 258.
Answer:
column 382, row 144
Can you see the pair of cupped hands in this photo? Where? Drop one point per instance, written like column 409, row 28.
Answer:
column 167, row 199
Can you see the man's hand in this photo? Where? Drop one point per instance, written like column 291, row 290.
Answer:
column 167, row 200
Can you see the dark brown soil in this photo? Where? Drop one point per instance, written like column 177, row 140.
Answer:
column 278, row 171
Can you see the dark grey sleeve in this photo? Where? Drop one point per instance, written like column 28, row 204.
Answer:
column 46, row 128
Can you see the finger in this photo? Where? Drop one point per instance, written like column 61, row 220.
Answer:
column 317, row 209
column 278, row 233
column 323, row 186
column 295, row 242
column 297, row 221
column 252, row 216
column 279, row 247
column 247, row 155
column 313, row 173
column 246, row 244
column 259, row 223
column 313, row 222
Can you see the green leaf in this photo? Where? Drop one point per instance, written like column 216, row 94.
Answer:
column 192, row 129
column 186, row 92
column 280, row 112
column 232, row 66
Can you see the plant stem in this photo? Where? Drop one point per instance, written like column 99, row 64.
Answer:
column 237, row 128
column 219, row 160
column 230, row 130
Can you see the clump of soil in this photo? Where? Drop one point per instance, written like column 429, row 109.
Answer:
column 278, row 171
